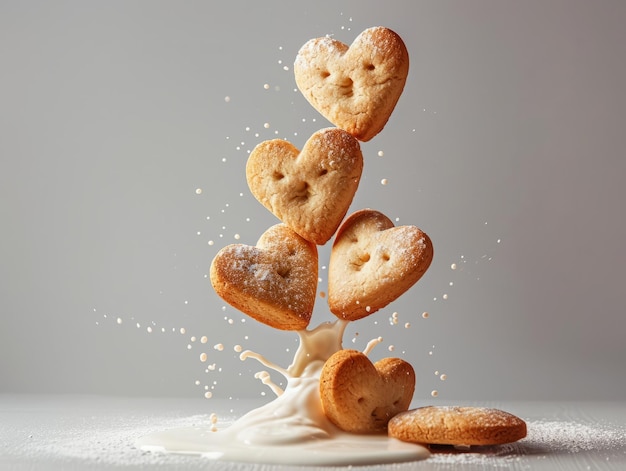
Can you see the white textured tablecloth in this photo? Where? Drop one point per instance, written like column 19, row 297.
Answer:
column 91, row 433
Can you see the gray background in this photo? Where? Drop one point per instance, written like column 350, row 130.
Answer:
column 507, row 147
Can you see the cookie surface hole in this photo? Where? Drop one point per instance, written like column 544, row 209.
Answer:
column 346, row 87
column 386, row 257
column 380, row 414
column 323, row 172
column 301, row 192
column 370, row 66
column 360, row 261
column 360, row 400
column 325, row 74
column 278, row 176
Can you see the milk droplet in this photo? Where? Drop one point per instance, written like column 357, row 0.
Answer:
column 434, row 393
column 208, row 395
column 381, row 153
column 266, row 86
column 227, row 99
column 443, row 377
column 445, row 296
column 119, row 320
column 219, row 347
column 266, row 125
column 203, row 357
column 391, row 348
column 198, row 191
column 425, row 315
column 453, row 266
column 384, row 181
column 407, row 325
column 204, row 339
column 182, row 330
column 238, row 348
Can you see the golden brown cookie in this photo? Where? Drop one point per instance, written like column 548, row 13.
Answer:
column 360, row 397
column 274, row 282
column 453, row 425
column 372, row 263
column 355, row 87
column 309, row 190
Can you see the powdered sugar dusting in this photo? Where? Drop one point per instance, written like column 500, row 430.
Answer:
column 572, row 437
column 545, row 438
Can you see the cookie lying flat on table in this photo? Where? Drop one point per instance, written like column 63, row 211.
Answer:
column 360, row 397
column 372, row 263
column 309, row 190
column 274, row 282
column 453, row 425
column 355, row 87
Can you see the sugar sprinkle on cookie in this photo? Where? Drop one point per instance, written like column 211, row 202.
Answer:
column 457, row 425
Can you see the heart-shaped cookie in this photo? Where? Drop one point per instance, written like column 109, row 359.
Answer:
column 372, row 263
column 355, row 87
column 309, row 190
column 361, row 397
column 274, row 282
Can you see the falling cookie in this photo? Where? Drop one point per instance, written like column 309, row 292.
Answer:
column 309, row 190
column 372, row 263
column 453, row 425
column 274, row 282
column 355, row 87
column 359, row 396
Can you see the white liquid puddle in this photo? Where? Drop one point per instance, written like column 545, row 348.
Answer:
column 292, row 429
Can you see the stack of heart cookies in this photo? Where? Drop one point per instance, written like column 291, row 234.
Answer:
column 372, row 262
column 310, row 190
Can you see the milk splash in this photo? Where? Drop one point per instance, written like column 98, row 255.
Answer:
column 292, row 429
